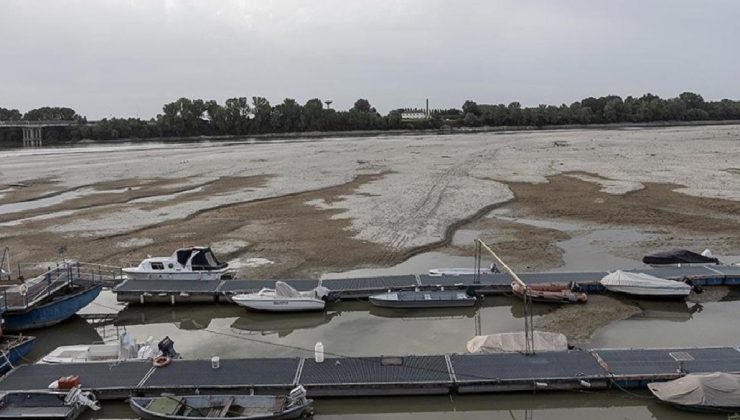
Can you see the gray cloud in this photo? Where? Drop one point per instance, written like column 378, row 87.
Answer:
column 129, row 57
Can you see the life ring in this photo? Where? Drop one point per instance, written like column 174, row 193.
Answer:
column 23, row 288
column 161, row 361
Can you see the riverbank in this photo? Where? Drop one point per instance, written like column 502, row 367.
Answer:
column 307, row 135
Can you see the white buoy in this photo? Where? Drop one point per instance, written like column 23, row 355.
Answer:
column 319, row 352
column 215, row 362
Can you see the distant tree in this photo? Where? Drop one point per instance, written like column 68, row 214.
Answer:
column 692, row 100
column 470, row 107
column 10, row 114
column 312, row 118
column 362, row 105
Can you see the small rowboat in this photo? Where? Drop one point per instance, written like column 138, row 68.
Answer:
column 46, row 404
column 551, row 292
column 235, row 407
column 423, row 299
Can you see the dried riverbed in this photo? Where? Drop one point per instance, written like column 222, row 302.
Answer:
column 547, row 200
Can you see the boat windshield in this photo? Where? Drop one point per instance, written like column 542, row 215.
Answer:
column 285, row 290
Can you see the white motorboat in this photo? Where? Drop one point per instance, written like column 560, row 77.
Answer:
column 191, row 263
column 283, row 298
column 436, row 272
column 126, row 349
column 715, row 392
column 641, row 284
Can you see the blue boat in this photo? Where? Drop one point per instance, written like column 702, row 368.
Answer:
column 13, row 349
column 57, row 307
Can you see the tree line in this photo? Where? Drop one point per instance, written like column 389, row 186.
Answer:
column 241, row 116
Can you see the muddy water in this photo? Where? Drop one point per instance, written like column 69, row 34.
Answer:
column 356, row 328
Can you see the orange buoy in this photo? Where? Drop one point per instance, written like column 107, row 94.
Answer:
column 161, row 361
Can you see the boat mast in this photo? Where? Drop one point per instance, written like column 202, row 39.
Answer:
column 527, row 298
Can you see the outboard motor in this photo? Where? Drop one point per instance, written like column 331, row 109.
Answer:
column 297, row 396
column 167, row 347
column 694, row 287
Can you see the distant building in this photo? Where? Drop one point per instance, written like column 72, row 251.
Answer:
column 416, row 113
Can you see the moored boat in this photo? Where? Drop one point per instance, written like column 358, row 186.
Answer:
column 239, row 407
column 46, row 404
column 50, row 309
column 437, row 272
column 423, row 299
column 515, row 342
column 283, row 298
column 642, row 284
column 680, row 257
column 13, row 349
column 716, row 392
column 125, row 349
column 550, row 292
column 190, row 263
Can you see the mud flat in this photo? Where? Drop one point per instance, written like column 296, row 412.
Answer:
column 341, row 203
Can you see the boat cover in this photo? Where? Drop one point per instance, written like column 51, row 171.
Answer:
column 514, row 342
column 641, row 280
column 708, row 390
column 283, row 289
column 678, row 256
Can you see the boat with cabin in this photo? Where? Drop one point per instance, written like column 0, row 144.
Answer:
column 283, row 298
column 424, row 299
column 189, row 263
column 236, row 407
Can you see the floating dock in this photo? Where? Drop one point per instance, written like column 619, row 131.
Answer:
column 181, row 291
column 372, row 376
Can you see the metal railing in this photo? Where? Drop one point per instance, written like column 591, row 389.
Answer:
column 32, row 291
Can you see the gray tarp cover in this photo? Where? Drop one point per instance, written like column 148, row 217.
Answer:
column 514, row 342
column 707, row 390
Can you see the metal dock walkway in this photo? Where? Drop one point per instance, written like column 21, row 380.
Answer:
column 174, row 291
column 368, row 376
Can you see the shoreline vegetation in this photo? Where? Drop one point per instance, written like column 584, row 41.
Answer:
column 238, row 118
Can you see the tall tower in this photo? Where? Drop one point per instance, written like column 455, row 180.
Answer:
column 427, row 112
column 328, row 104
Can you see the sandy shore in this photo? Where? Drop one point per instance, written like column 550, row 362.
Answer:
column 340, row 203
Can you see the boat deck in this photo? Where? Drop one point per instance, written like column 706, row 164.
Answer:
column 172, row 291
column 367, row 376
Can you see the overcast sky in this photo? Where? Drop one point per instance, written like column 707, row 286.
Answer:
column 127, row 58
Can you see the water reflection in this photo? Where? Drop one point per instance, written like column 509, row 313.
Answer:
column 73, row 331
column 281, row 325
column 184, row 317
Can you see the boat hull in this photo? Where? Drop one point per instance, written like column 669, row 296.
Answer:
column 138, row 407
column 650, row 291
column 420, row 304
column 281, row 305
column 14, row 354
column 187, row 275
column 37, row 405
column 51, row 313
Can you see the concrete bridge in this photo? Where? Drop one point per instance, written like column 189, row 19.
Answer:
column 33, row 131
